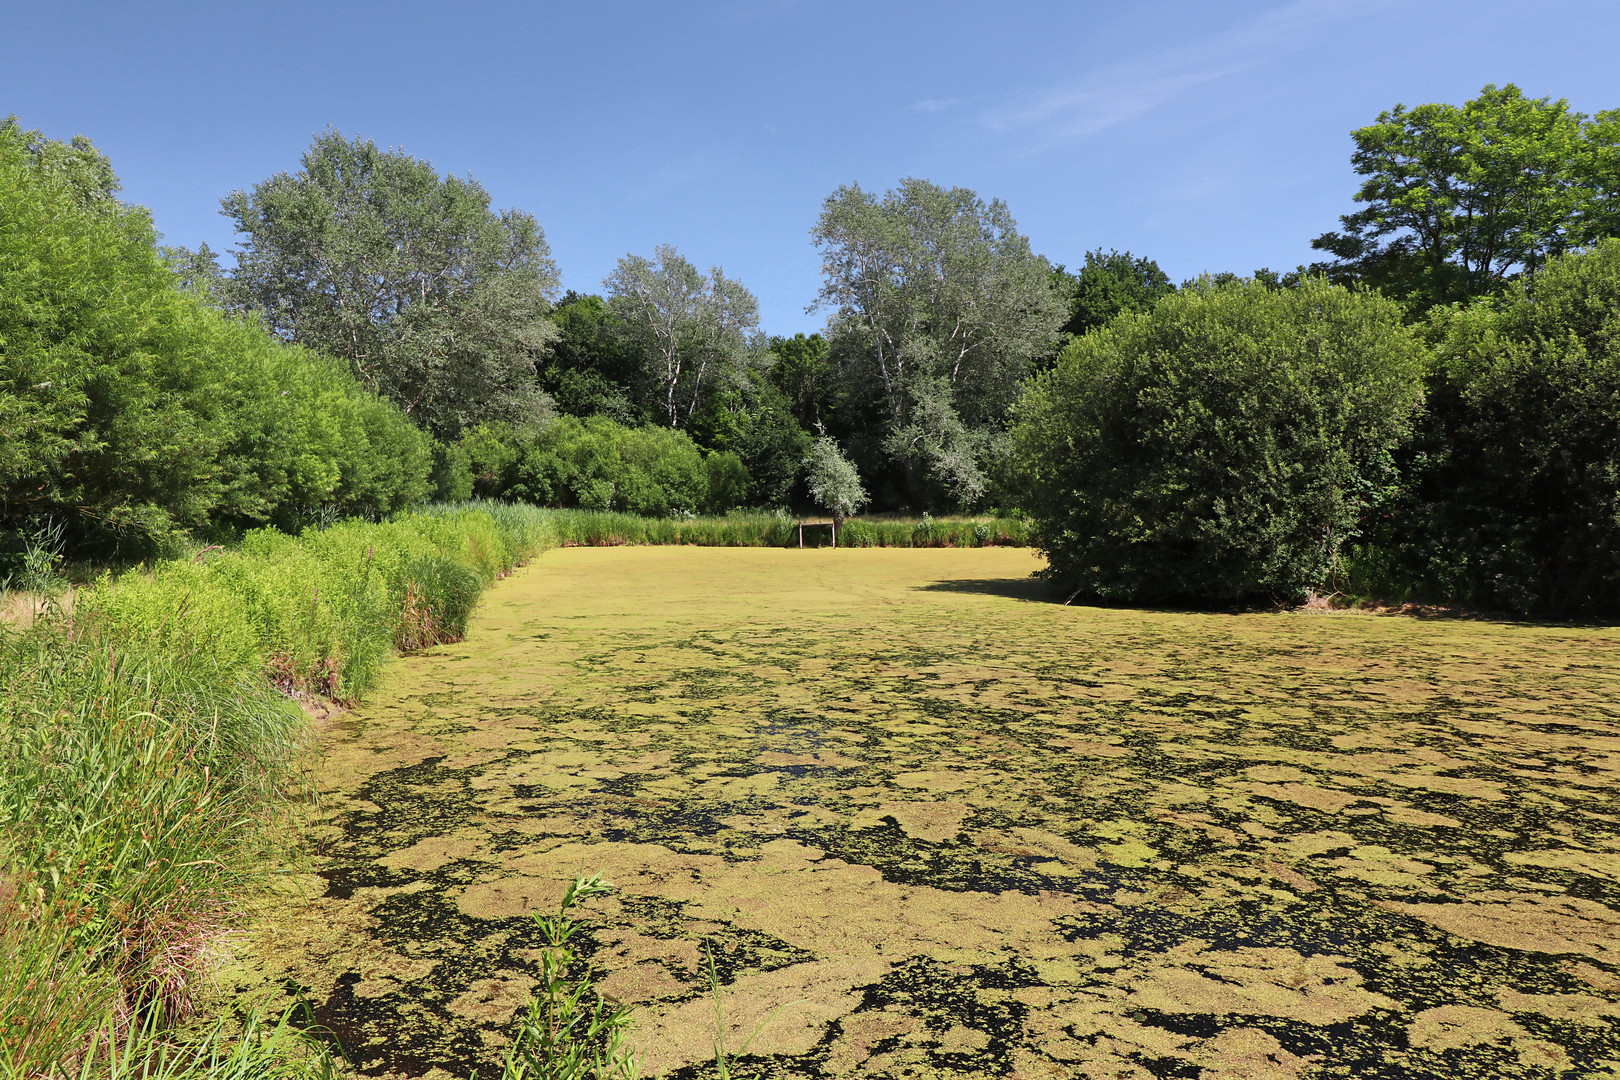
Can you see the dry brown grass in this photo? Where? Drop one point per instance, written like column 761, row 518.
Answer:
column 18, row 608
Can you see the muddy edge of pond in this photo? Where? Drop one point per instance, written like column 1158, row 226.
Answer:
column 931, row 824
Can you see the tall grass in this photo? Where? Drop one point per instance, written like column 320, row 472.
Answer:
column 148, row 758
column 138, row 798
column 763, row 529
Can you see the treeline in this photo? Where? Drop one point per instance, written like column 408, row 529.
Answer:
column 1433, row 415
column 383, row 335
column 131, row 410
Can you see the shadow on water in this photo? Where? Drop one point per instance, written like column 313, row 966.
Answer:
column 1030, row 589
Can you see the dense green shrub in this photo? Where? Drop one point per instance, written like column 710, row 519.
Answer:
column 1219, row 447
column 726, row 481
column 305, row 441
column 1513, row 496
column 130, row 409
column 599, row 464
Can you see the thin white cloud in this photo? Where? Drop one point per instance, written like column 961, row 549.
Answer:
column 1124, row 91
column 933, row 105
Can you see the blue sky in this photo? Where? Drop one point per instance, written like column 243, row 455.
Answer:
column 1205, row 135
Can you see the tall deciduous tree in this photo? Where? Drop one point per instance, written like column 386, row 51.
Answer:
column 1461, row 199
column 692, row 330
column 436, row 301
column 1108, row 284
column 942, row 304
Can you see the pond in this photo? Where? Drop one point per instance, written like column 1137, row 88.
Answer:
column 930, row 823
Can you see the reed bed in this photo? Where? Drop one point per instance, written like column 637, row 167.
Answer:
column 588, row 528
column 150, row 754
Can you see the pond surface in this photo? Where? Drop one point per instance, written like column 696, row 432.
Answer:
column 931, row 824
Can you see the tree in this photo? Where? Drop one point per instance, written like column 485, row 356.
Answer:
column 1218, row 448
column 1109, row 284
column 691, row 330
column 593, row 368
column 435, row 301
column 833, row 479
column 129, row 408
column 197, row 272
column 1512, row 498
column 941, row 306
column 803, row 372
column 1460, row 200
column 753, row 420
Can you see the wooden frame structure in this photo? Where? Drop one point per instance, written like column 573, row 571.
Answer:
column 833, row 525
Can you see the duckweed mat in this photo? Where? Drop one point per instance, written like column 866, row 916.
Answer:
column 931, row 824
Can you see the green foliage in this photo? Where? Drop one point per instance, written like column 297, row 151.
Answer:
column 597, row 464
column 1220, row 447
column 594, row 368
column 453, row 476
column 568, row 1031
column 307, row 442
column 1513, row 496
column 690, row 331
column 107, row 406
column 1109, row 284
column 939, row 309
column 752, row 419
column 131, row 410
column 803, row 372
column 833, row 479
column 1458, row 200
column 727, row 479
column 433, row 300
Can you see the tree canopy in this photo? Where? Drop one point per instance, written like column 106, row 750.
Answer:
column 1108, row 284
column 1512, row 493
column 129, row 409
column 940, row 306
column 1459, row 199
column 692, row 331
column 1219, row 447
column 435, row 301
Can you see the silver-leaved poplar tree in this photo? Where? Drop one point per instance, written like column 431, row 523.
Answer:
column 833, row 480
column 941, row 306
column 438, row 303
column 692, row 329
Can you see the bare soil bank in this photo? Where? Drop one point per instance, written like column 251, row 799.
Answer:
column 935, row 825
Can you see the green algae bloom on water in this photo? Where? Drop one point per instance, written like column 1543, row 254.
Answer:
column 932, row 824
